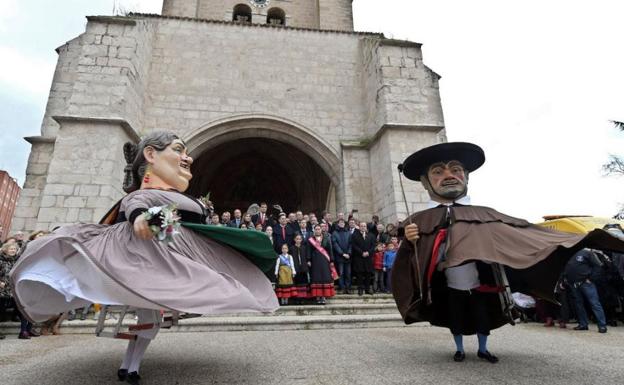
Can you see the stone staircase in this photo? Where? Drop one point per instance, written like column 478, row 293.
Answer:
column 341, row 312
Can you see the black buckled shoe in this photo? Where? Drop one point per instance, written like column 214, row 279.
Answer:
column 133, row 378
column 488, row 356
column 459, row 356
column 602, row 329
column 122, row 374
column 581, row 328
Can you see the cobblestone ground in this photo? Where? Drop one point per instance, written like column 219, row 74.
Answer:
column 529, row 353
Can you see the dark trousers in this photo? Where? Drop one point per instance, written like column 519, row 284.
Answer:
column 588, row 291
column 344, row 270
column 467, row 307
column 389, row 279
column 363, row 280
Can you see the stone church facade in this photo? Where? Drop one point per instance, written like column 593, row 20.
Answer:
column 277, row 100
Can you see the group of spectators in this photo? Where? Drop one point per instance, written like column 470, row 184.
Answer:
column 10, row 252
column 313, row 253
column 592, row 280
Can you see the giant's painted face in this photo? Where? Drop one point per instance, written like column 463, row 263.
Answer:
column 448, row 180
column 171, row 165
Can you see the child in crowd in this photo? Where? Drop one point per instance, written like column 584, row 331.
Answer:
column 388, row 261
column 285, row 273
column 378, row 257
column 395, row 241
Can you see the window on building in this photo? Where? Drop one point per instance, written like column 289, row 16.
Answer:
column 242, row 13
column 276, row 16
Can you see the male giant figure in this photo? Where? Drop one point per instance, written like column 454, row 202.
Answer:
column 445, row 272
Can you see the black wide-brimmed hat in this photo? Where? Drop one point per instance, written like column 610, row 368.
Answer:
column 470, row 155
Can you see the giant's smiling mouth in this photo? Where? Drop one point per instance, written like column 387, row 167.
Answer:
column 450, row 182
column 185, row 165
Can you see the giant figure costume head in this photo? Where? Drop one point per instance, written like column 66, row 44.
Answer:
column 443, row 169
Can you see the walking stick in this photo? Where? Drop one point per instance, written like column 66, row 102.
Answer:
column 409, row 220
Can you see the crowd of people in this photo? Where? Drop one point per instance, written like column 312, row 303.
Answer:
column 314, row 256
column 591, row 280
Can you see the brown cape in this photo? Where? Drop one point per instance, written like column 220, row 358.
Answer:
column 534, row 258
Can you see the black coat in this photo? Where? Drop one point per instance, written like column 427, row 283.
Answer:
column 279, row 240
column 341, row 242
column 300, row 256
column 320, row 271
column 359, row 245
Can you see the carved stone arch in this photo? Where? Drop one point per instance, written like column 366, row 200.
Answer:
column 290, row 149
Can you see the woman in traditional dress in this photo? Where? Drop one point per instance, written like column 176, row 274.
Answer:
column 123, row 263
column 320, row 262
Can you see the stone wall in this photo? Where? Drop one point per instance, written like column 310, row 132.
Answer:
column 85, row 174
column 315, row 14
column 203, row 72
column 28, row 205
column 112, row 70
column 361, row 102
column 184, row 8
column 336, row 14
column 409, row 92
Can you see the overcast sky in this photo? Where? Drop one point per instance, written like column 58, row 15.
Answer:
column 534, row 83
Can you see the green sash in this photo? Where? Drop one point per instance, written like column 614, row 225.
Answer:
column 254, row 245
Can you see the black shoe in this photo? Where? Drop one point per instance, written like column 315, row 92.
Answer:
column 2, row 336
column 459, row 356
column 488, row 356
column 602, row 329
column 122, row 374
column 613, row 323
column 133, row 378
column 360, row 292
column 581, row 328
column 23, row 336
column 347, row 291
column 369, row 292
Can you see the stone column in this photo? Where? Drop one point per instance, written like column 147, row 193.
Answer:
column 27, row 209
column 85, row 174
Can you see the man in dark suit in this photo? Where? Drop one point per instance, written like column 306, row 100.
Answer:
column 362, row 250
column 238, row 219
column 292, row 222
column 304, row 231
column 261, row 217
column 282, row 234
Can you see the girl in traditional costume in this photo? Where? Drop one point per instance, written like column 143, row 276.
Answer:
column 285, row 272
column 122, row 263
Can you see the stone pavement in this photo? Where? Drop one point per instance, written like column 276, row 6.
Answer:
column 529, row 353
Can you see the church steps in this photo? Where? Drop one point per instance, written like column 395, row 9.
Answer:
column 341, row 312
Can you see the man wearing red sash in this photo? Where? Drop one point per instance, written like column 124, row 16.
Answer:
column 452, row 268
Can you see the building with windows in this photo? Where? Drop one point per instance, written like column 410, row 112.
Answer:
column 9, row 194
column 277, row 100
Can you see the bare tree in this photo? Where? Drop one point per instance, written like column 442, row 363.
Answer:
column 615, row 166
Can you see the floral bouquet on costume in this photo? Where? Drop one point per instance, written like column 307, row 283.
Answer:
column 163, row 221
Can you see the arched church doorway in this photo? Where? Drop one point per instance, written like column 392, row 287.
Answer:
column 250, row 170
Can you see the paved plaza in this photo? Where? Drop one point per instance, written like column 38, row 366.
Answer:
column 529, row 353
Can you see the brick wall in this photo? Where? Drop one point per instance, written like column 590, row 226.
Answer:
column 9, row 195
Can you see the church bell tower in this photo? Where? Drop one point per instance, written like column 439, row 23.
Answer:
column 314, row 14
